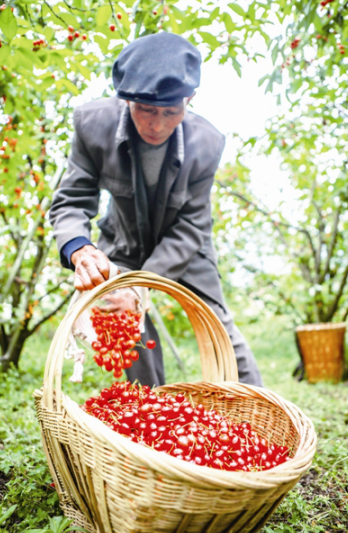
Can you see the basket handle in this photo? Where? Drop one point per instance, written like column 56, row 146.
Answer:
column 216, row 351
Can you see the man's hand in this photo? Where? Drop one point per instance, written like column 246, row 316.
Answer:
column 122, row 300
column 92, row 267
column 135, row 299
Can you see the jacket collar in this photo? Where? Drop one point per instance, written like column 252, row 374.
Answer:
column 123, row 133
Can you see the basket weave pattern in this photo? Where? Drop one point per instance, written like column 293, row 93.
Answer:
column 109, row 484
column 322, row 348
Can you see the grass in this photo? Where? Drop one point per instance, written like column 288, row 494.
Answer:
column 319, row 503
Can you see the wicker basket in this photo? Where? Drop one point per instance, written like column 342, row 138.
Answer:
column 322, row 351
column 109, row 484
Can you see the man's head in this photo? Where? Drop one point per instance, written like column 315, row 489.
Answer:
column 155, row 124
column 157, row 75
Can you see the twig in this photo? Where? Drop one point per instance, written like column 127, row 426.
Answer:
column 10, row 231
column 52, row 313
column 334, row 305
column 332, row 245
column 117, row 22
column 55, row 14
column 168, row 337
column 77, row 8
column 275, row 223
column 51, row 290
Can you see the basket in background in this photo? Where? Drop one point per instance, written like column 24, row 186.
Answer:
column 322, row 350
column 108, row 484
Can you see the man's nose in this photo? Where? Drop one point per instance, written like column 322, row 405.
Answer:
column 157, row 123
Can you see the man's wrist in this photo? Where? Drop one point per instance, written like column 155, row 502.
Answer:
column 69, row 248
column 75, row 255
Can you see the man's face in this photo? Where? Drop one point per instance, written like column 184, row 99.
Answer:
column 156, row 124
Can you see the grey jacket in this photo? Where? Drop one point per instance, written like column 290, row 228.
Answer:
column 103, row 157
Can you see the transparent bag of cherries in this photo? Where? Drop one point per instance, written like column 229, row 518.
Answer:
column 112, row 328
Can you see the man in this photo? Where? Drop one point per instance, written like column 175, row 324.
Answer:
column 158, row 162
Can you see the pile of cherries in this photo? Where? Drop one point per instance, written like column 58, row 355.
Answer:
column 172, row 424
column 117, row 336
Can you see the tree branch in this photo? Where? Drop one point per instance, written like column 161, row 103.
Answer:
column 52, row 313
column 117, row 22
column 77, row 8
column 321, row 228
column 55, row 14
column 270, row 282
column 16, row 240
column 51, row 290
column 3, row 339
column 332, row 245
column 275, row 223
column 344, row 318
column 19, row 258
column 333, row 307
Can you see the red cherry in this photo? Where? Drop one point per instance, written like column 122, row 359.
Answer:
column 84, row 37
column 112, row 27
column 151, row 344
column 134, row 355
column 119, row 16
column 71, row 29
column 76, row 34
column 70, row 38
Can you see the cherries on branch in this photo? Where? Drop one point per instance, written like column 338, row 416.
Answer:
column 117, row 336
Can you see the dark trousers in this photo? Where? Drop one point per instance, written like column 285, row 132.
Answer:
column 149, row 367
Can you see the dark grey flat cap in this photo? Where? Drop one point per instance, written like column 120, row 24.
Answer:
column 159, row 69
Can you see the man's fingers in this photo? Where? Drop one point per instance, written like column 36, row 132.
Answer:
column 103, row 266
column 88, row 276
column 78, row 283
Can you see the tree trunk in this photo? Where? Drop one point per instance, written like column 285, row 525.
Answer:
column 15, row 346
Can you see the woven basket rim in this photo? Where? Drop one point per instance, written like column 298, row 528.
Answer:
column 318, row 326
column 201, row 475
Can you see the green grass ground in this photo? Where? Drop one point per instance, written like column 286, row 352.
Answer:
column 319, row 503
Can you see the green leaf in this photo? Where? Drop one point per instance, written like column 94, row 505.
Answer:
column 68, row 85
column 86, row 73
column 103, row 43
column 46, row 83
column 58, row 61
column 251, row 12
column 103, row 15
column 7, row 514
column 4, row 53
column 209, row 39
column 62, row 19
column 179, row 15
column 237, row 9
column 29, row 55
column 36, row 531
column 8, row 23
column 48, row 33
column 275, row 52
column 70, row 19
column 229, row 24
column 105, row 30
column 236, row 66
column 173, row 22
column 262, row 80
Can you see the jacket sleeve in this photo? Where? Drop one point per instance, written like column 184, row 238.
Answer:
column 76, row 201
column 191, row 229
